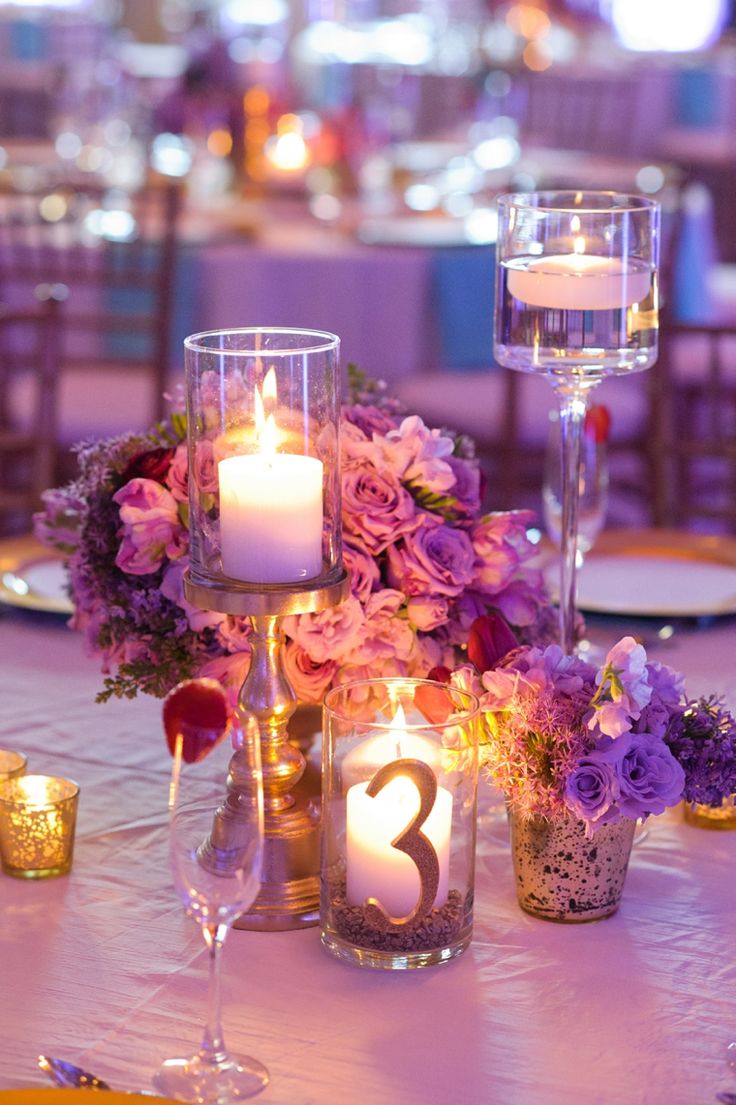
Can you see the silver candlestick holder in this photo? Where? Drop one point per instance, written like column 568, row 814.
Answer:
column 265, row 543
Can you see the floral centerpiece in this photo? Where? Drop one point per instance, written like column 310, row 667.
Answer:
column 581, row 753
column 424, row 560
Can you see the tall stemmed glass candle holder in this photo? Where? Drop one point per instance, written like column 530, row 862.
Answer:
column 399, row 784
column 265, row 542
column 576, row 300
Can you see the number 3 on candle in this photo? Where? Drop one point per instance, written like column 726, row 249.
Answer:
column 412, row 841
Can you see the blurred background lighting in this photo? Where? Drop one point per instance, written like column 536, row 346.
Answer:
column 673, row 25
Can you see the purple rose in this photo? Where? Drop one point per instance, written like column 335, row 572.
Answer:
column 433, row 559
column 650, row 778
column 591, row 790
column 371, row 420
column 466, row 489
column 377, row 510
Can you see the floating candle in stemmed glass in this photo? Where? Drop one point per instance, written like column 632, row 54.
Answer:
column 576, row 300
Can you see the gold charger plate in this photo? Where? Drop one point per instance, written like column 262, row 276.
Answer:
column 32, row 577
column 76, row 1097
column 657, row 573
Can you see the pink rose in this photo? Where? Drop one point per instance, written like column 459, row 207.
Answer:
column 206, row 467
column 330, row 634
column 436, row 558
column 309, row 678
column 426, row 612
column 177, row 477
column 151, row 527
column 365, row 574
column 376, row 508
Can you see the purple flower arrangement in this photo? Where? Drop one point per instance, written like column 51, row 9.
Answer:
column 564, row 738
column 425, row 562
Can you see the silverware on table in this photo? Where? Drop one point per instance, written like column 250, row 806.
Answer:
column 70, row 1076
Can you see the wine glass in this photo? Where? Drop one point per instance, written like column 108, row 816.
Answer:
column 576, row 300
column 216, row 845
column 592, row 485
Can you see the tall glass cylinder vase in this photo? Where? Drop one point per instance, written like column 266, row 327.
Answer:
column 576, row 300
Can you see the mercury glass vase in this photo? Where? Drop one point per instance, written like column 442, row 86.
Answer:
column 562, row 875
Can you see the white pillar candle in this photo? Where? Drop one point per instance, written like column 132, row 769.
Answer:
column 271, row 517
column 362, row 762
column 375, row 869
column 579, row 282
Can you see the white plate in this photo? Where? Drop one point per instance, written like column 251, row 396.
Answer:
column 32, row 577
column 657, row 573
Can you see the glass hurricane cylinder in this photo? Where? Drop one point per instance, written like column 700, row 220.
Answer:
column 399, row 785
column 264, row 483
column 576, row 300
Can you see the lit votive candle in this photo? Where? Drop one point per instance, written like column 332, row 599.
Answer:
column 12, row 764
column 38, row 816
column 579, row 282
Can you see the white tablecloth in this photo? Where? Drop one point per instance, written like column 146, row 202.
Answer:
column 102, row 967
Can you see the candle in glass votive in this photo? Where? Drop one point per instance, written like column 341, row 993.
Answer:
column 270, row 507
column 579, row 282
column 38, row 816
column 12, row 764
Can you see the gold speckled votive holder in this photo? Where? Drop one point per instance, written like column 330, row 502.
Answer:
column 12, row 764
column 712, row 817
column 38, row 815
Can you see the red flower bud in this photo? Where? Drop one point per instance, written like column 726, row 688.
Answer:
column 490, row 639
column 151, row 465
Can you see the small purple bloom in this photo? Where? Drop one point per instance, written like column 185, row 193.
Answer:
column 650, row 777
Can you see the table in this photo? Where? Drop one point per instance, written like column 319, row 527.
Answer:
column 102, row 967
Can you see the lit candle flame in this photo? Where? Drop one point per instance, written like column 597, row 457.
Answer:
column 265, row 400
column 397, row 725
column 579, row 245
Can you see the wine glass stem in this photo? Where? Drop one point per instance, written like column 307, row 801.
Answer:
column 573, row 400
column 212, row 1048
